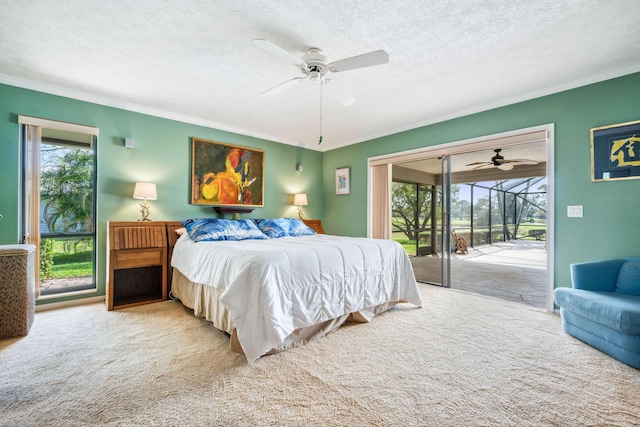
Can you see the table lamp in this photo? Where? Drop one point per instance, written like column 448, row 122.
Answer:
column 300, row 200
column 145, row 191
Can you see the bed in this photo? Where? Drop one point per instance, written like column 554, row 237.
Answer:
column 274, row 293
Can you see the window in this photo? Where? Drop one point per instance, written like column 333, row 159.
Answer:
column 58, row 209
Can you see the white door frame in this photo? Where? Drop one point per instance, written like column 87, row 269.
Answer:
column 484, row 142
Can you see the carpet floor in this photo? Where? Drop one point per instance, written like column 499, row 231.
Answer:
column 461, row 360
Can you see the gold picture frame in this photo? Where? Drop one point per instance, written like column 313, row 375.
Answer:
column 615, row 152
column 226, row 175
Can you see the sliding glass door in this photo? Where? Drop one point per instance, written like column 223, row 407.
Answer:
column 420, row 218
column 445, row 222
column 465, row 214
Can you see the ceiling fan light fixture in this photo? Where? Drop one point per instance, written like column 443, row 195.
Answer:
column 315, row 65
column 505, row 166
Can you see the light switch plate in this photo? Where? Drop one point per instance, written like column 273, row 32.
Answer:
column 574, row 211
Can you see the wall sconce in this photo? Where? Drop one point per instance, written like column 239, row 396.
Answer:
column 300, row 200
column 145, row 190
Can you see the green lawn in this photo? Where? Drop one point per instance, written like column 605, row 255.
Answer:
column 408, row 245
column 71, row 264
column 523, row 234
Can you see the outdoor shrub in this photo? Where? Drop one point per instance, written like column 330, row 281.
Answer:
column 46, row 259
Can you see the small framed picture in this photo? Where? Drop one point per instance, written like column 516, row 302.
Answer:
column 615, row 152
column 343, row 181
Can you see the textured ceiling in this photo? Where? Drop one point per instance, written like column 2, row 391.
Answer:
column 194, row 60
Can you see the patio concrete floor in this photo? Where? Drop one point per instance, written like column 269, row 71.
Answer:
column 514, row 271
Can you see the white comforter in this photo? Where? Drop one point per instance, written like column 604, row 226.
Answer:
column 272, row 287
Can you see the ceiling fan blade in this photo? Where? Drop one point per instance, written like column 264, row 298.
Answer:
column 482, row 166
column 282, row 86
column 277, row 51
column 521, row 161
column 478, row 163
column 339, row 93
column 365, row 60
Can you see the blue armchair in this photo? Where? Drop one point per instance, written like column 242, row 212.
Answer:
column 603, row 307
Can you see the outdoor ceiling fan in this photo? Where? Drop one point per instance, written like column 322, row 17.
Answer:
column 500, row 162
column 315, row 65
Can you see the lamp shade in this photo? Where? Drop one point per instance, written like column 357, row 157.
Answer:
column 145, row 190
column 300, row 199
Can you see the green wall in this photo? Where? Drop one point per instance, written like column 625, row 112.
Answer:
column 161, row 155
column 610, row 226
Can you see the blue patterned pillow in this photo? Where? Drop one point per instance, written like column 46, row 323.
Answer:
column 211, row 229
column 281, row 227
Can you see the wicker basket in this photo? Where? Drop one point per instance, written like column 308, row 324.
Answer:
column 17, row 284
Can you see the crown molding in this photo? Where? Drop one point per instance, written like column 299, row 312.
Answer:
column 612, row 74
column 137, row 108
column 116, row 103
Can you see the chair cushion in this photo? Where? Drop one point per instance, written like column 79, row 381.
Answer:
column 614, row 310
column 629, row 278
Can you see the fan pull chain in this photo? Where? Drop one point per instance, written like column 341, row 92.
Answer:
column 321, row 84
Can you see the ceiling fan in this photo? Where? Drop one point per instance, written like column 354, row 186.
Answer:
column 500, row 162
column 315, row 65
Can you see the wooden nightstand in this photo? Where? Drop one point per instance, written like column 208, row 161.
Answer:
column 137, row 263
column 315, row 225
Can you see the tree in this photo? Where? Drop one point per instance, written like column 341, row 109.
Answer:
column 66, row 189
column 538, row 202
column 460, row 209
column 411, row 208
column 481, row 211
